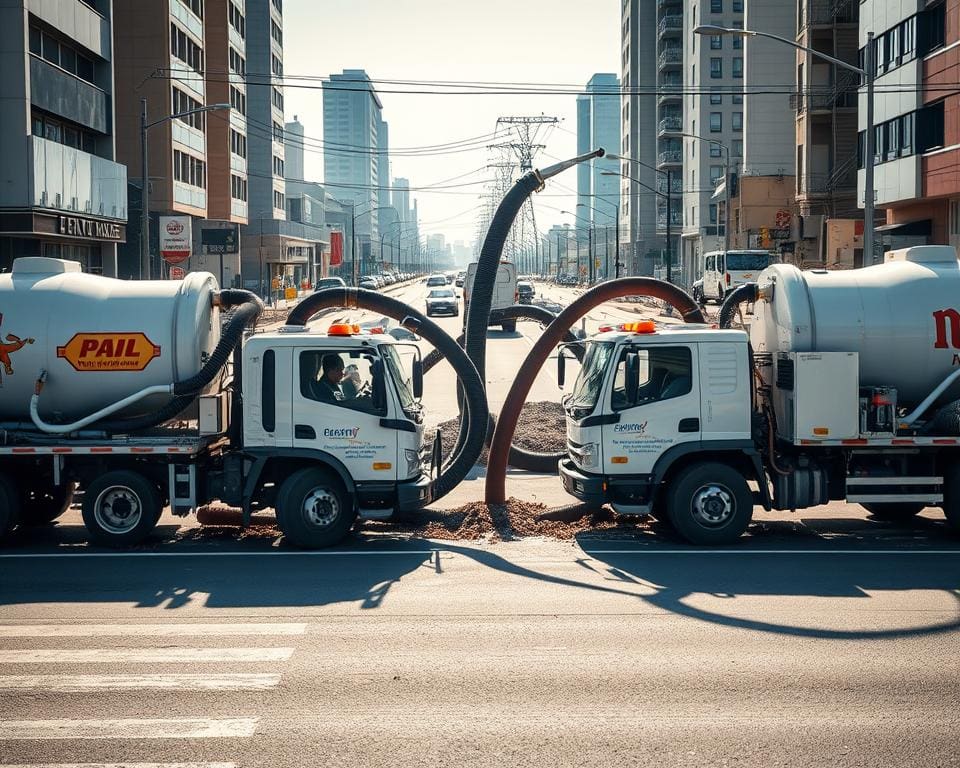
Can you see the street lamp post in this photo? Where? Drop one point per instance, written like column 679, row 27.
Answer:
column 589, row 238
column 606, row 248
column 145, row 261
column 867, row 73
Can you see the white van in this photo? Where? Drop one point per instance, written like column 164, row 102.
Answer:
column 504, row 293
column 724, row 271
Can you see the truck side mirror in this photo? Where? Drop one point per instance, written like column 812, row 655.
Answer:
column 632, row 382
column 561, row 367
column 418, row 378
column 378, row 393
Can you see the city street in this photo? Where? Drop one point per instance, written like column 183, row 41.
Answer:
column 822, row 638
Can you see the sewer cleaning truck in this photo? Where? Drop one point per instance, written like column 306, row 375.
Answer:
column 142, row 394
column 843, row 387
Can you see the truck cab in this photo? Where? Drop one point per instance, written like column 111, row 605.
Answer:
column 650, row 404
column 723, row 271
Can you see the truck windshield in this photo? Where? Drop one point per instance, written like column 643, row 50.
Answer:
column 589, row 384
column 747, row 261
column 403, row 380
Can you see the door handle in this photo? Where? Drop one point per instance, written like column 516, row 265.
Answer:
column 304, row 432
column 689, row 425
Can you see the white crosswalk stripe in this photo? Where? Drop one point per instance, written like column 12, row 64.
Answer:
column 130, row 728
column 148, row 630
column 167, row 682
column 124, row 764
column 143, row 655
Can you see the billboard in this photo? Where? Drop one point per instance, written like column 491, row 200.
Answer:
column 176, row 237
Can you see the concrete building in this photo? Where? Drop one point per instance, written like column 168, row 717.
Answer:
column 826, row 133
column 559, row 253
column 667, row 127
column 353, row 129
column 648, row 78
column 917, row 154
column 293, row 148
column 62, row 193
column 598, row 125
column 713, row 117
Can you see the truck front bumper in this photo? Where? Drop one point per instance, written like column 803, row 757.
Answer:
column 415, row 493
column 588, row 488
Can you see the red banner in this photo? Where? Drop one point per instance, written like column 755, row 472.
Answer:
column 336, row 249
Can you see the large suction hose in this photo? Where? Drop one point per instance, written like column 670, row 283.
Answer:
column 475, row 399
column 627, row 286
column 745, row 294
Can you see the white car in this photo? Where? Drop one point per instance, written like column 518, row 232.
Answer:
column 443, row 301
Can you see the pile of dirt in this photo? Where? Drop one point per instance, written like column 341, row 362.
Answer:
column 507, row 522
column 542, row 427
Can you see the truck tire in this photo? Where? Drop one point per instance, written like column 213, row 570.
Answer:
column 509, row 326
column 313, row 510
column 39, row 506
column 9, row 505
column 895, row 511
column 710, row 503
column 120, row 508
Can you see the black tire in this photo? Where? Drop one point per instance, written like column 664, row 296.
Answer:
column 509, row 326
column 40, row 506
column 9, row 505
column 721, row 295
column 313, row 510
column 951, row 496
column 121, row 508
column 427, row 312
column 895, row 511
column 710, row 503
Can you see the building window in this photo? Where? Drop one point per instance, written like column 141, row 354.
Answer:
column 277, row 166
column 276, row 33
column 738, row 147
column 277, row 132
column 189, row 169
column 278, row 4
column 238, row 100
column 276, row 66
column 238, row 143
column 716, row 6
column 716, row 122
column 716, row 42
column 238, row 188
column 61, row 54
column 183, row 47
column 62, row 132
column 237, row 21
column 237, row 63
column 196, row 6
column 737, row 40
column 713, row 213
column 716, row 68
column 738, row 6
column 931, row 29
column 278, row 200
column 738, row 66
column 738, row 97
column 715, row 149
column 715, row 96
column 738, row 121
column 716, row 172
column 181, row 102
column 277, row 98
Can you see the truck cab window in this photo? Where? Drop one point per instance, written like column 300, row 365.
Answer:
column 344, row 379
column 665, row 373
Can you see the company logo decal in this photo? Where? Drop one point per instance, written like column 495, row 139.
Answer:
column 342, row 433
column 940, row 318
column 637, row 429
column 109, row 351
column 13, row 343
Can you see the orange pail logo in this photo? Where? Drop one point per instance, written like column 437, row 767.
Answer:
column 109, row 351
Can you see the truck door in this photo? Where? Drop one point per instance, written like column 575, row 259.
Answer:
column 709, row 276
column 339, row 413
column 654, row 409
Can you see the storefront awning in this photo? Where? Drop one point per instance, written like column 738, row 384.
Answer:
column 919, row 228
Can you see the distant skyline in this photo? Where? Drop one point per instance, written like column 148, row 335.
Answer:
column 536, row 42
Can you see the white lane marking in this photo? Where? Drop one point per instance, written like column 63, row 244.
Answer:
column 119, row 765
column 179, row 682
column 147, row 630
column 131, row 728
column 142, row 655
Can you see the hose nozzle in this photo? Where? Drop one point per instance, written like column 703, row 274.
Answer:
column 553, row 170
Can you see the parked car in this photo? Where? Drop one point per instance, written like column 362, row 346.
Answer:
column 525, row 291
column 369, row 284
column 329, row 282
column 443, row 301
column 697, row 291
column 461, row 276
column 436, row 279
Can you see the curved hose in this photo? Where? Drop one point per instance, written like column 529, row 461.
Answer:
column 745, row 294
column 475, row 398
column 627, row 286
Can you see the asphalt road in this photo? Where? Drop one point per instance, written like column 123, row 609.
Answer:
column 822, row 638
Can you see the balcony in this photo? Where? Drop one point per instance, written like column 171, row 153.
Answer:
column 671, row 57
column 826, row 13
column 68, row 179
column 676, row 185
column 60, row 93
column 669, row 91
column 670, row 157
column 664, row 4
column 670, row 25
column 670, row 124
column 676, row 219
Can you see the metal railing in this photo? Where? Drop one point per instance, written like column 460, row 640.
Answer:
column 670, row 56
column 671, row 157
column 670, row 124
column 670, row 24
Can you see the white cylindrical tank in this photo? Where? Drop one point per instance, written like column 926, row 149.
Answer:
column 99, row 339
column 902, row 317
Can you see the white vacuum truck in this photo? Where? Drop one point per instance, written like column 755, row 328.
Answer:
column 846, row 388
column 124, row 390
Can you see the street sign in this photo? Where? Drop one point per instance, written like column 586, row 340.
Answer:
column 220, row 241
column 177, row 273
column 176, row 238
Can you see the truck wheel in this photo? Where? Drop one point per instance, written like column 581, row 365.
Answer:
column 313, row 510
column 120, row 508
column 509, row 326
column 710, row 503
column 39, row 506
column 9, row 505
column 894, row 511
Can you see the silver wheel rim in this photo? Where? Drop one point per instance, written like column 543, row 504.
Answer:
column 117, row 509
column 320, row 507
column 713, row 505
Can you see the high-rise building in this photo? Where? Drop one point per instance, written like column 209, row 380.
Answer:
column 826, row 131
column 667, row 127
column 917, row 160
column 713, row 77
column 61, row 192
column 293, row 150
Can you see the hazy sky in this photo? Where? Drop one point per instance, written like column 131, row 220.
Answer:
column 496, row 41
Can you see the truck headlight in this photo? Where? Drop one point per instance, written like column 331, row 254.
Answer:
column 590, row 454
column 413, row 461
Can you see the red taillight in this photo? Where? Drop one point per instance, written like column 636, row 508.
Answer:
column 728, row 278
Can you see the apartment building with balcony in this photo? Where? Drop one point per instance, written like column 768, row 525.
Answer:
column 669, row 126
column 830, row 229
column 917, row 120
column 713, row 119
column 62, row 193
